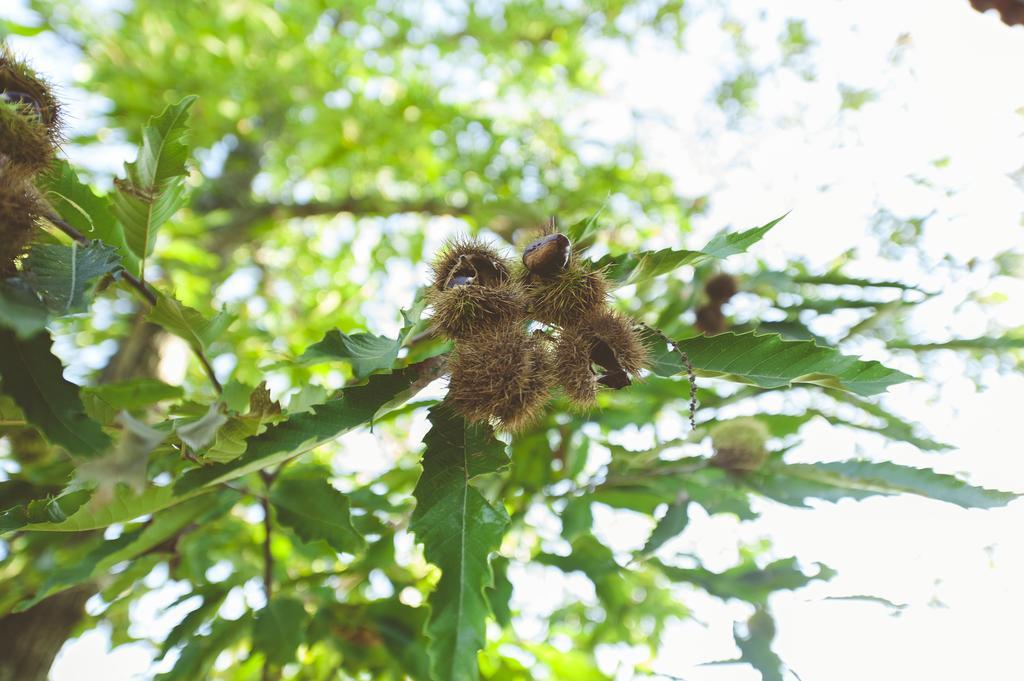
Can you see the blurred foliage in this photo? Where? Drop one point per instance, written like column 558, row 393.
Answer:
column 331, row 148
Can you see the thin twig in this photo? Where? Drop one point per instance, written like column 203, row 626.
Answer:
column 131, row 279
column 268, row 557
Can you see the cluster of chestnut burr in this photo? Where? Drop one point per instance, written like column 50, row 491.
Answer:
column 521, row 329
column 30, row 133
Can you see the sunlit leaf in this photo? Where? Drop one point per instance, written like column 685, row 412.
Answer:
column 857, row 479
column 633, row 268
column 365, row 352
column 153, row 187
column 459, row 529
column 771, row 362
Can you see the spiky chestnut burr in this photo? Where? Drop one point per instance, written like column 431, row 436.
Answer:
column 566, row 297
column 502, row 375
column 604, row 349
column 30, row 125
column 471, row 290
column 739, row 444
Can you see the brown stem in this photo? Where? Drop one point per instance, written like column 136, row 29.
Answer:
column 268, row 558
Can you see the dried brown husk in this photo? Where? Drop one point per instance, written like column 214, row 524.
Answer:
column 501, row 375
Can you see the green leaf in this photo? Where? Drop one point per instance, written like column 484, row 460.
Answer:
column 90, row 214
column 500, row 594
column 670, row 526
column 315, row 510
column 771, row 362
column 279, row 629
column 365, row 352
column 48, row 510
column 198, row 656
column 103, row 402
column 66, row 276
column 981, row 343
column 793, row 483
column 755, row 645
column 747, row 581
column 126, row 505
column 213, row 596
column 188, row 323
column 128, row 546
column 732, row 243
column 153, row 187
column 35, row 379
column 353, row 407
column 583, row 232
column 458, row 529
column 302, row 432
column 21, row 310
column 632, row 268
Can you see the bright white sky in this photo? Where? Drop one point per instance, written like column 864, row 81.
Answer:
column 948, row 84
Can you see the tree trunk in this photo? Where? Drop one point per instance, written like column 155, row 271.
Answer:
column 30, row 640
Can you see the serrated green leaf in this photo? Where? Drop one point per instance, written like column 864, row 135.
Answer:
column 66, row 276
column 279, row 629
column 633, row 268
column 365, row 352
column 315, row 510
column 500, row 594
column 458, row 529
column 725, row 244
column 187, row 323
column 153, row 187
column 771, row 362
column 793, row 483
column 80, row 207
column 126, row 547
column 126, row 505
column 35, row 379
column 583, row 232
column 21, row 311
